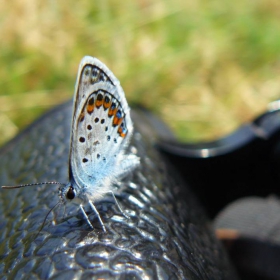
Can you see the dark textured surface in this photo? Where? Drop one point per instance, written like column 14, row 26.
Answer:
column 166, row 237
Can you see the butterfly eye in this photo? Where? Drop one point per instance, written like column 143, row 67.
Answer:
column 71, row 193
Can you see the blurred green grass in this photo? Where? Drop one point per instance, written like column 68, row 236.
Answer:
column 204, row 67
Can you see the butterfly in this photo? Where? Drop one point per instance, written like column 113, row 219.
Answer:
column 100, row 134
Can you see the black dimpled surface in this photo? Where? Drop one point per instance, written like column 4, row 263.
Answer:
column 166, row 237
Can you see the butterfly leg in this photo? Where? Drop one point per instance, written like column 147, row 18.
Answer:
column 86, row 216
column 98, row 216
column 118, row 205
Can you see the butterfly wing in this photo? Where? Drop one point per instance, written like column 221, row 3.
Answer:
column 101, row 127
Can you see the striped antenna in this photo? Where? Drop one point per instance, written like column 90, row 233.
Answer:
column 34, row 184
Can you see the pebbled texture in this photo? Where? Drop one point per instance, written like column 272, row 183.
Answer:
column 166, row 237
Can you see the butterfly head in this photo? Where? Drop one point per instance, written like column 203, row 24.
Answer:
column 68, row 193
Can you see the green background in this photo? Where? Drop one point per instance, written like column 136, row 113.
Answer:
column 204, row 67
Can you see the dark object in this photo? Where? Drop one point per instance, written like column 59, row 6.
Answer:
column 245, row 163
column 255, row 245
column 256, row 259
column 166, row 237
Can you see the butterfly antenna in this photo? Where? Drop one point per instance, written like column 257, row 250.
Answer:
column 44, row 222
column 33, row 184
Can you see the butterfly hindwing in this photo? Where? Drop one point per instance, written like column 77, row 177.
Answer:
column 101, row 126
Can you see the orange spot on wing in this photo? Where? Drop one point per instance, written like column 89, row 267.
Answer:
column 90, row 105
column 112, row 112
column 121, row 133
column 90, row 108
column 99, row 100
column 117, row 121
column 99, row 103
column 106, row 104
